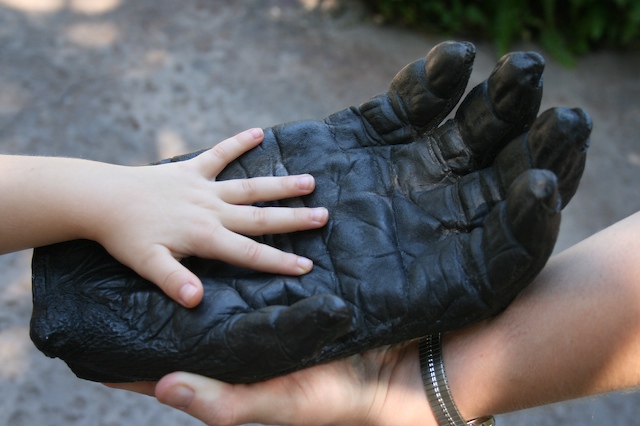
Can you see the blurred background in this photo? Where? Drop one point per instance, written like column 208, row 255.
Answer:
column 131, row 82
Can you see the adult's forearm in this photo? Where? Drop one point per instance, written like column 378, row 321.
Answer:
column 574, row 332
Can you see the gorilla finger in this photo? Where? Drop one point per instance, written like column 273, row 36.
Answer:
column 503, row 106
column 558, row 141
column 421, row 95
column 277, row 339
column 519, row 234
column 427, row 90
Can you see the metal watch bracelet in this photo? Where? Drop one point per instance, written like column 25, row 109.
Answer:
column 437, row 387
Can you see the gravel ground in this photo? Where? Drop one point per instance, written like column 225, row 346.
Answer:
column 131, row 82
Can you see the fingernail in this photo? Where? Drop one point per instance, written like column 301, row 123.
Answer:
column 319, row 214
column 179, row 397
column 305, row 182
column 256, row 133
column 305, row 264
column 187, row 293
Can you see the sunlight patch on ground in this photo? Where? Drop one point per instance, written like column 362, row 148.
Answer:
column 94, row 7
column 88, row 7
column 37, row 6
column 12, row 98
column 170, row 144
column 93, row 34
column 14, row 347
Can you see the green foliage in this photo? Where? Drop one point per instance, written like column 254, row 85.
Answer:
column 565, row 28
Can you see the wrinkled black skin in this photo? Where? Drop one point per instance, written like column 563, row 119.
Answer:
column 420, row 238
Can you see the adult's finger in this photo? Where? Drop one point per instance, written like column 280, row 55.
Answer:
column 341, row 391
column 221, row 404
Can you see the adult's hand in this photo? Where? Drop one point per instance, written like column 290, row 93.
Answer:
column 378, row 387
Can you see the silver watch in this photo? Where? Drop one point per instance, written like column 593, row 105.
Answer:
column 437, row 388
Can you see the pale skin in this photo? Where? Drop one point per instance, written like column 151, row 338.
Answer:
column 574, row 332
column 151, row 217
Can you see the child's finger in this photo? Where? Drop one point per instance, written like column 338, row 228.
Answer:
column 250, row 220
column 242, row 251
column 162, row 269
column 213, row 161
column 254, row 190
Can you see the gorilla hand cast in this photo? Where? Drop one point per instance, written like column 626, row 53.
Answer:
column 432, row 227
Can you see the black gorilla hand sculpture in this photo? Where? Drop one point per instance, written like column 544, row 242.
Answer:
column 431, row 228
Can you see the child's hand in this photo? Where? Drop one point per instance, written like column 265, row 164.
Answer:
column 170, row 211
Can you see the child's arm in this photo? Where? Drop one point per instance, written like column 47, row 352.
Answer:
column 150, row 217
